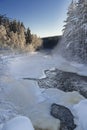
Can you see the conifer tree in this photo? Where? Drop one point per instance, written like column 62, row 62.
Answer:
column 13, row 34
column 28, row 36
column 69, row 35
column 75, row 32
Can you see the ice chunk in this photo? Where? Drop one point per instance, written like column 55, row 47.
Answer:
column 18, row 123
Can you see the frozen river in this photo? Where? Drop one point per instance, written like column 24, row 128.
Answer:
column 26, row 94
column 32, row 65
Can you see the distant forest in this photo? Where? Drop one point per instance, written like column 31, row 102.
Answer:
column 50, row 42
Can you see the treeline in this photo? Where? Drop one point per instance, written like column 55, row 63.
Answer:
column 50, row 42
column 14, row 34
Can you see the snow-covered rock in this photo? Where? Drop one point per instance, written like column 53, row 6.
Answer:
column 18, row 123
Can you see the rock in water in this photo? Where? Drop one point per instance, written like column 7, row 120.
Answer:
column 65, row 81
column 64, row 115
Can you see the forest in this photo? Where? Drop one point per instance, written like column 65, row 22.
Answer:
column 13, row 34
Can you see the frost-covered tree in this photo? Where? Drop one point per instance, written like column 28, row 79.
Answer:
column 75, row 32
column 70, row 24
column 82, row 30
column 69, row 34
column 14, row 34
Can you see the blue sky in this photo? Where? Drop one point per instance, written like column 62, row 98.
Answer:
column 44, row 17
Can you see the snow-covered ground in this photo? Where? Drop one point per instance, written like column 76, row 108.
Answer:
column 25, row 97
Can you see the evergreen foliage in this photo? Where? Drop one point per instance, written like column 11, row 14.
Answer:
column 28, row 36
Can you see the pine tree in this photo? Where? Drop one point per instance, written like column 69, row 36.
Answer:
column 71, row 21
column 81, row 53
column 28, row 36
column 69, row 35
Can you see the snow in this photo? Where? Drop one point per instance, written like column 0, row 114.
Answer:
column 18, row 123
column 81, row 113
column 81, row 68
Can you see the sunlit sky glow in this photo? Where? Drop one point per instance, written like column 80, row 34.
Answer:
column 44, row 17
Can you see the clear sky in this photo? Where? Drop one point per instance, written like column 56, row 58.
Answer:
column 44, row 17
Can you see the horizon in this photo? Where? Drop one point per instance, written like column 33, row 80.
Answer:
column 44, row 18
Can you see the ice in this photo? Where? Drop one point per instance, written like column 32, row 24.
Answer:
column 23, row 94
column 1, row 126
column 63, row 98
column 18, row 123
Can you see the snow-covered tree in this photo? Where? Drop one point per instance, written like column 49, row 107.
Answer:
column 14, row 34
column 69, row 36
column 82, row 29
column 75, row 32
column 70, row 23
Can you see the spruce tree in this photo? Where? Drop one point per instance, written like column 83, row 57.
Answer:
column 81, row 45
column 69, row 35
column 28, row 36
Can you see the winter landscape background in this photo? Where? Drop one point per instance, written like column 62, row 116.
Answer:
column 44, row 88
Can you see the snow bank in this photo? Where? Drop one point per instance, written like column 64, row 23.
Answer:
column 18, row 123
column 81, row 113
